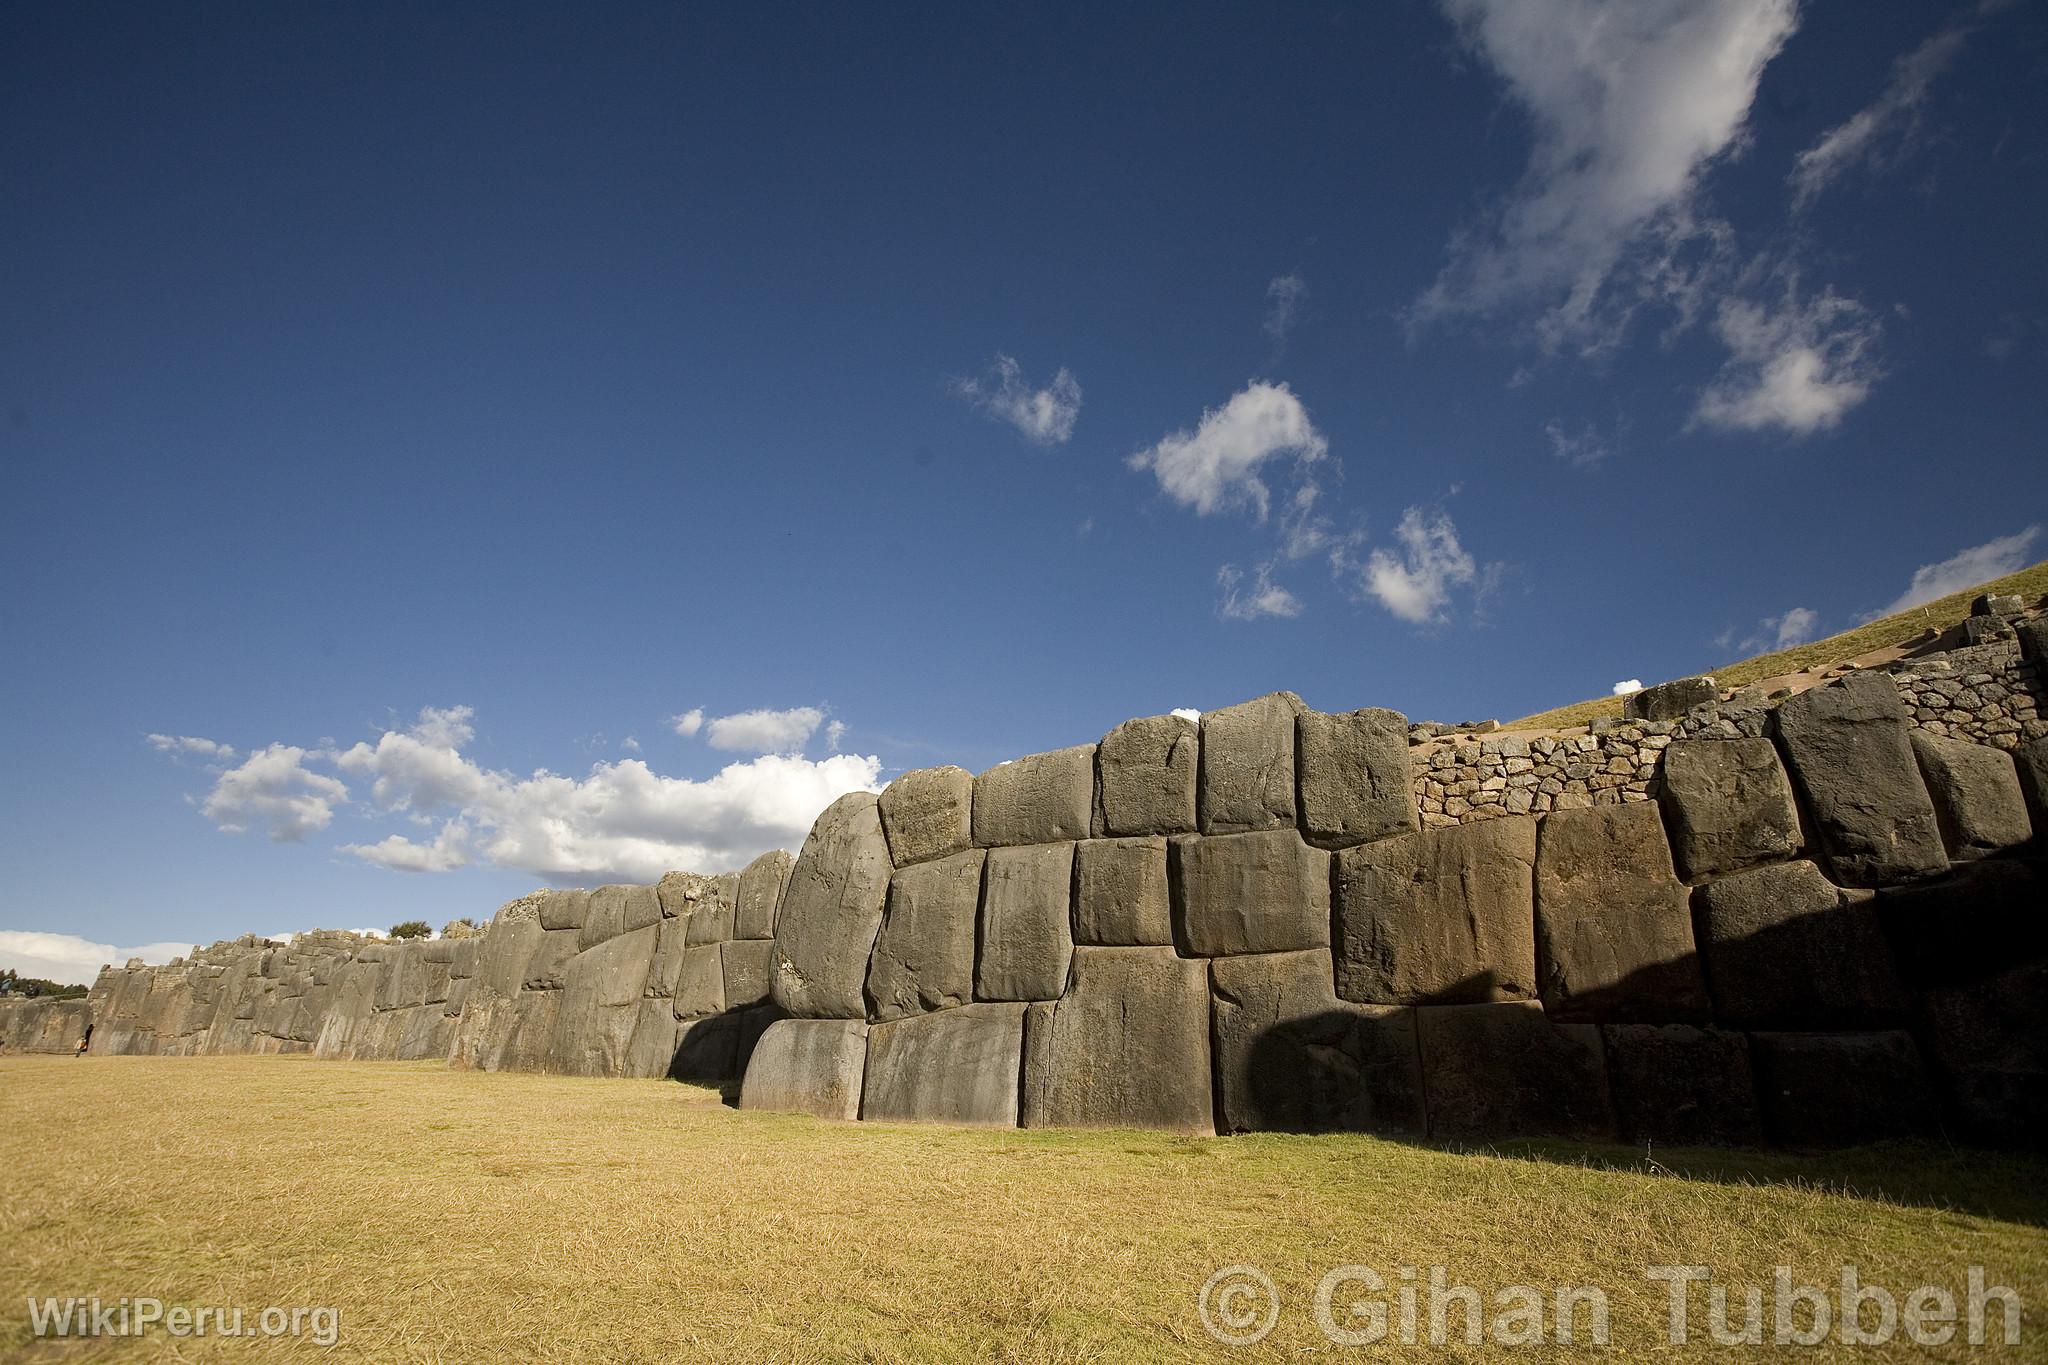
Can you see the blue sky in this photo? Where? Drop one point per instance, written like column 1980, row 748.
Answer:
column 411, row 416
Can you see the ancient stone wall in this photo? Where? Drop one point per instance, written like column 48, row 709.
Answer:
column 35, row 1025
column 1802, row 918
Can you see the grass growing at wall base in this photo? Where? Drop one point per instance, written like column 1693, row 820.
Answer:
column 462, row 1216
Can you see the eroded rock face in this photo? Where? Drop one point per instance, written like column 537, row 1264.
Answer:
column 954, row 1066
column 1614, row 938
column 1355, row 783
column 809, row 1066
column 1148, row 770
column 1264, row 892
column 761, row 887
column 1041, row 799
column 928, row 813
column 924, row 956
column 832, row 912
column 1447, row 916
column 1026, row 923
column 1670, row 701
column 1978, row 803
column 1729, row 806
column 1848, row 748
column 1121, row 895
column 1126, row 1047
column 1291, row 1056
column 1247, row 780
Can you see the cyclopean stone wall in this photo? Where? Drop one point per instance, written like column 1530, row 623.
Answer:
column 1800, row 919
column 37, row 1025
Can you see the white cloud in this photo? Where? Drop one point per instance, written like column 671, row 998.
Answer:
column 1884, row 130
column 1967, row 568
column 1042, row 416
column 835, row 732
column 1284, row 297
column 1798, row 368
column 73, row 961
column 1187, row 713
column 688, row 723
column 765, row 732
column 273, row 788
column 1628, row 685
column 1585, row 449
column 419, row 768
column 1216, row 466
column 190, row 744
column 1630, row 105
column 1415, row 584
column 1263, row 598
column 1796, row 627
column 448, row 851
column 630, row 744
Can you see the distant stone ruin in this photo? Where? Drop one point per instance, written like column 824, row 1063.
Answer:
column 1808, row 916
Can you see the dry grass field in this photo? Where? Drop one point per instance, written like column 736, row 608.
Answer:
column 457, row 1216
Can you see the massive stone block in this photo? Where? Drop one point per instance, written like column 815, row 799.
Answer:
column 601, row 991
column 1039, row 799
column 748, row 965
column 1728, row 804
column 927, row 814
column 1834, row 1089
column 1785, row 949
column 714, row 910
column 549, row 959
column 1290, row 1056
column 1127, row 1047
column 666, row 970
column 2031, row 760
column 956, row 1066
column 1447, row 916
column 653, row 1045
column 614, row 910
column 761, row 887
column 1147, row 770
column 1681, row 1086
column 1671, row 700
column 1248, row 765
column 1026, row 923
column 700, row 989
column 563, row 909
column 1613, row 930
column 809, row 1066
column 1265, row 892
column 717, row 1050
column 1355, row 783
column 924, row 956
column 1121, row 893
column 1849, row 753
column 831, row 913
column 1978, row 803
column 1968, row 926
column 1506, row 1070
column 1990, row 1041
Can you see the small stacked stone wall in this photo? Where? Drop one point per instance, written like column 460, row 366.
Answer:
column 1987, row 694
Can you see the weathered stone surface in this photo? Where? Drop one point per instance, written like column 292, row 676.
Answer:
column 1613, row 930
column 1038, row 799
column 1990, row 1042
column 613, row 910
column 924, row 956
column 809, row 1066
column 1505, row 1070
column 714, row 910
column 1026, row 923
column 700, row 989
column 1447, row 916
column 2031, row 761
column 1121, row 894
column 1977, row 798
column 1681, row 1086
column 956, row 1066
column 748, row 965
column 1147, row 771
column 653, row 1046
column 563, row 909
column 716, row 1050
column 1127, row 1047
column 1265, row 892
column 666, row 970
column 1670, row 701
column 1248, row 765
column 1834, row 1089
column 1848, row 750
column 544, row 968
column 1290, row 1056
column 927, row 813
column 1355, row 784
column 1728, row 804
column 601, row 990
column 760, row 894
column 831, row 913
column 1785, row 949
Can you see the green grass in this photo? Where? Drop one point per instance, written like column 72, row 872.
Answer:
column 1897, row 629
column 463, row 1216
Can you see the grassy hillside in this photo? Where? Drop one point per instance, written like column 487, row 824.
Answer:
column 456, row 1216
column 2030, row 583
